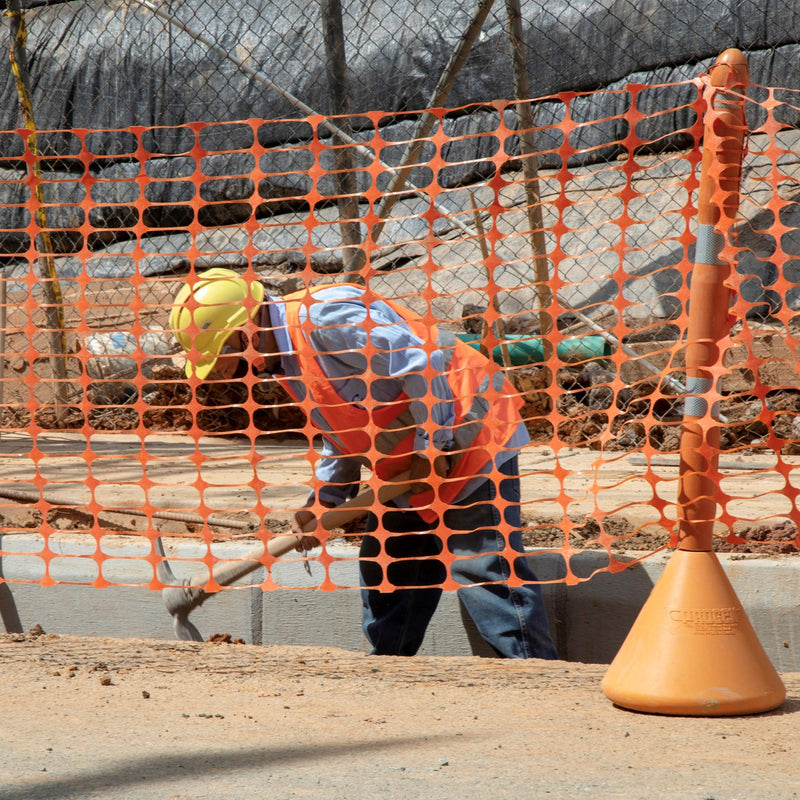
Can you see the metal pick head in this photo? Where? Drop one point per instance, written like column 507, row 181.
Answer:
column 185, row 630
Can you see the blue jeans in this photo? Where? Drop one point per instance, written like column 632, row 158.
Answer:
column 512, row 620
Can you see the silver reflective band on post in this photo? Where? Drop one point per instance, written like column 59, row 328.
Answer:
column 695, row 405
column 709, row 245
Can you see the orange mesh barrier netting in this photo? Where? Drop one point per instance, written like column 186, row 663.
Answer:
column 107, row 446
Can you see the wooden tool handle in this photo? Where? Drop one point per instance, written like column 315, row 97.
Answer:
column 228, row 572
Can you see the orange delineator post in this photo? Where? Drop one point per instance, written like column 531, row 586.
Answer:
column 692, row 650
column 717, row 206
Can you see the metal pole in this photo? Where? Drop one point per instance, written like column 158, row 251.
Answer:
column 22, row 496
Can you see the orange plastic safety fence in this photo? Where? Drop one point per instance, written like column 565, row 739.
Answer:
column 122, row 448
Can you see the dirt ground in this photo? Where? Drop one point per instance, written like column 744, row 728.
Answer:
column 141, row 719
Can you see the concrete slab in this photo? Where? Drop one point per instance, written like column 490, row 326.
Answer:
column 589, row 620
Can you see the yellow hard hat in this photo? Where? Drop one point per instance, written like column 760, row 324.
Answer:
column 208, row 310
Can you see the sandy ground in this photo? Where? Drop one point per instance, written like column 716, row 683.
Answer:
column 141, row 719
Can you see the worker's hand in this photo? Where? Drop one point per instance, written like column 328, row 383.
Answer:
column 442, row 464
column 303, row 521
column 418, row 474
column 420, row 471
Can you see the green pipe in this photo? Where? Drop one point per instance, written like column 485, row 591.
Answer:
column 524, row 349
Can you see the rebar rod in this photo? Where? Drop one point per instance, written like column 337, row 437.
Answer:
column 176, row 516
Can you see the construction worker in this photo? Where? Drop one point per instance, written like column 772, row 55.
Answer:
column 393, row 395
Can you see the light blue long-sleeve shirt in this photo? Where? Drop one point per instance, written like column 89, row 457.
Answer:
column 342, row 335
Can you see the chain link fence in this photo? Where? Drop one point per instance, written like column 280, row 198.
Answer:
column 120, row 63
column 139, row 76
column 342, row 93
column 109, row 66
column 508, row 169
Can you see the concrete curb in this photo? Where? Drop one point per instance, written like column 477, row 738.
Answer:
column 590, row 620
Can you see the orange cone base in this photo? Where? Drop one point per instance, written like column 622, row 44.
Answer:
column 692, row 650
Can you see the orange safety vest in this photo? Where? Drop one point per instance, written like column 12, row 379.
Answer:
column 355, row 427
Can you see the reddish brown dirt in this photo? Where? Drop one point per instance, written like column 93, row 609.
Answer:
column 780, row 539
column 581, row 425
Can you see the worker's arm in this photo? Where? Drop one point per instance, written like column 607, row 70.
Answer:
column 337, row 478
column 304, row 521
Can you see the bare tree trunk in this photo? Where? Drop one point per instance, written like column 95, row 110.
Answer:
column 530, row 171
column 339, row 92
column 54, row 307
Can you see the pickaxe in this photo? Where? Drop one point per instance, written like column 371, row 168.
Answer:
column 181, row 598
